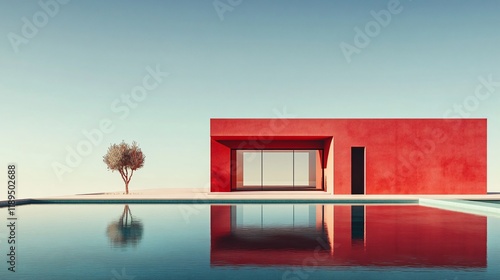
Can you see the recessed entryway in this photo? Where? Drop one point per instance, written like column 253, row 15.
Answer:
column 278, row 170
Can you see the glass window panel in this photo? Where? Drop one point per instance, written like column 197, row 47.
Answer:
column 274, row 169
column 252, row 168
column 301, row 168
column 277, row 168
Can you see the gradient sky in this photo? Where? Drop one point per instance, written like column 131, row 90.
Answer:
column 259, row 59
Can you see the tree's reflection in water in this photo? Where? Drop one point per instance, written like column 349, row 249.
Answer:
column 127, row 230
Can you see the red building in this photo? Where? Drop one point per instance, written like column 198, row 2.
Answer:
column 349, row 156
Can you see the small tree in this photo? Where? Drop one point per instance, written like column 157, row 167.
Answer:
column 125, row 159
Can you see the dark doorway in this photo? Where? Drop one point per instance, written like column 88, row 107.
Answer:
column 358, row 224
column 357, row 170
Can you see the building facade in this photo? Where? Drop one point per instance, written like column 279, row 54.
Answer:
column 350, row 156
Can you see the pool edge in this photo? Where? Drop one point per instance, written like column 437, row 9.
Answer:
column 462, row 205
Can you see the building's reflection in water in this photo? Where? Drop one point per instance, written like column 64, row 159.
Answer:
column 345, row 235
column 126, row 230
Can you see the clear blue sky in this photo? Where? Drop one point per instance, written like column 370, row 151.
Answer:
column 64, row 68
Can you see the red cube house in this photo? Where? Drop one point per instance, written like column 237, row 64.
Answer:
column 349, row 156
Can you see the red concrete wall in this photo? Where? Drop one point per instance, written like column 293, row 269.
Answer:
column 220, row 169
column 403, row 156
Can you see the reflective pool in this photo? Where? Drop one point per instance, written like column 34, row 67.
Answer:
column 250, row 241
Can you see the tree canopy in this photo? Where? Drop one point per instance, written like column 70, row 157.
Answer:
column 125, row 159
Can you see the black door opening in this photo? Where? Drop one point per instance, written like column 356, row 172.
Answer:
column 357, row 170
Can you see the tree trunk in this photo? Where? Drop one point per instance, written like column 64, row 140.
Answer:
column 126, row 187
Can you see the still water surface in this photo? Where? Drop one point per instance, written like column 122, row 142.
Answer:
column 251, row 241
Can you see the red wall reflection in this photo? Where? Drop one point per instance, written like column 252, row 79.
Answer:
column 345, row 235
